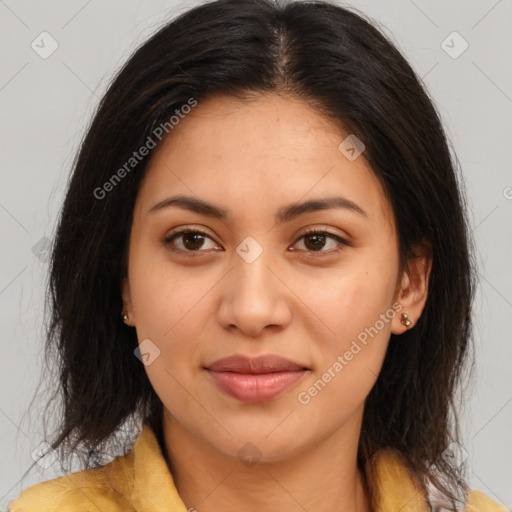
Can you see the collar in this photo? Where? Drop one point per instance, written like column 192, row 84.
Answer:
column 153, row 486
column 394, row 484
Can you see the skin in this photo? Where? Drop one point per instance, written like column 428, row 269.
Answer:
column 300, row 299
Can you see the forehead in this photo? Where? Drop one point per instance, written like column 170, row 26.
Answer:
column 270, row 150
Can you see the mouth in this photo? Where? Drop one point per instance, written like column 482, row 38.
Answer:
column 255, row 379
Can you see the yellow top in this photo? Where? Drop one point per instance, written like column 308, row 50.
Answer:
column 140, row 481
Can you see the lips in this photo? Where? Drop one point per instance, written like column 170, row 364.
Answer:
column 259, row 364
column 255, row 379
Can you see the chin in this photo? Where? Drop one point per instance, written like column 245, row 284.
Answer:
column 250, row 446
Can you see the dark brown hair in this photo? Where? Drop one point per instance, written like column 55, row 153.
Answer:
column 340, row 63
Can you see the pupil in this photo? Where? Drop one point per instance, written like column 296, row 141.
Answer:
column 318, row 237
column 189, row 236
column 198, row 240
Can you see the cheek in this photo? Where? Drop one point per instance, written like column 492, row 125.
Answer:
column 170, row 309
column 356, row 310
column 166, row 298
column 347, row 301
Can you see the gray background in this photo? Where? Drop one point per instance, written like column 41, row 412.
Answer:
column 45, row 105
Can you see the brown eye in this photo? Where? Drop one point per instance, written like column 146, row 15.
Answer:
column 187, row 240
column 194, row 240
column 317, row 240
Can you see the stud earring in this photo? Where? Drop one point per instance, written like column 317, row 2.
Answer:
column 125, row 316
column 405, row 320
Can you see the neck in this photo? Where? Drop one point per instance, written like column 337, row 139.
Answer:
column 323, row 477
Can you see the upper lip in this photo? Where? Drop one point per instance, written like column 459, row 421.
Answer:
column 255, row 364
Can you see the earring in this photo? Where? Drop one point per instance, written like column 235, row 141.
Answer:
column 405, row 320
column 125, row 316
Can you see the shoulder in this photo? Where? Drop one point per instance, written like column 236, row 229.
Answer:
column 398, row 488
column 104, row 488
column 477, row 501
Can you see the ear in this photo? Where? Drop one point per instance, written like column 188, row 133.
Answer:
column 412, row 287
column 127, row 302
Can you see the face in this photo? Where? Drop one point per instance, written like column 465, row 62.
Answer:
column 253, row 282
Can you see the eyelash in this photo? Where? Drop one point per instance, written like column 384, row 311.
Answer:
column 169, row 238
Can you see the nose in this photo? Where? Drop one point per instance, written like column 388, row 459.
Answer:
column 254, row 298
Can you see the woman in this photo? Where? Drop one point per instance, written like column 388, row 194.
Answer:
column 263, row 262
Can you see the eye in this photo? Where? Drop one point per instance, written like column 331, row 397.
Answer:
column 189, row 240
column 193, row 240
column 316, row 239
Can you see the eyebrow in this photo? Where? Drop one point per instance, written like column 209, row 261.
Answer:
column 284, row 214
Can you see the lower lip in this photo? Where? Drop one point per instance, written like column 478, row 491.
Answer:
column 249, row 387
